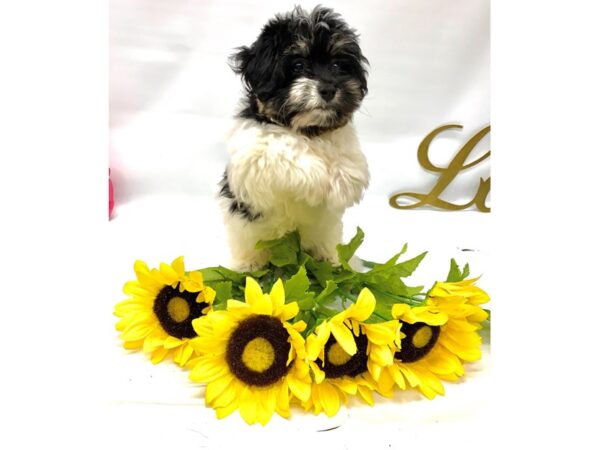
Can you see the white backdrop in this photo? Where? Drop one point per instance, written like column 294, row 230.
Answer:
column 172, row 98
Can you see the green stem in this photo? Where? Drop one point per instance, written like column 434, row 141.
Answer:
column 401, row 298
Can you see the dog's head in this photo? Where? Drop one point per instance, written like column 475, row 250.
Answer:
column 305, row 71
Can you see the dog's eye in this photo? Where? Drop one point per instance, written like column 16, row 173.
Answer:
column 298, row 67
column 335, row 67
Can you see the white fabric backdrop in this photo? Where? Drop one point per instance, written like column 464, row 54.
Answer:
column 172, row 100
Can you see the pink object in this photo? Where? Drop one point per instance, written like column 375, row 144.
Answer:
column 111, row 201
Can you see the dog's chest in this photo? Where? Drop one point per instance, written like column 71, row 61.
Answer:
column 270, row 147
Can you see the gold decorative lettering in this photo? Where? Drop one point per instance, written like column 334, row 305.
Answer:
column 447, row 175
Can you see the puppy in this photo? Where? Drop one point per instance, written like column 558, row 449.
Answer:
column 295, row 160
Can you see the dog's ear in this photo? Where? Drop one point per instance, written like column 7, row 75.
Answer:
column 239, row 61
column 259, row 64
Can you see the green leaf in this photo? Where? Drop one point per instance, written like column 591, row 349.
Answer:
column 283, row 251
column 307, row 303
column 411, row 291
column 343, row 276
column 323, row 297
column 466, row 271
column 387, row 265
column 326, row 312
column 406, row 268
column 346, row 251
column 387, row 276
column 221, row 273
column 321, row 270
column 224, row 290
column 297, row 286
column 385, row 281
column 259, row 273
column 455, row 274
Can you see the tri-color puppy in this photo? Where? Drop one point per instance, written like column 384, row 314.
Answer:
column 296, row 162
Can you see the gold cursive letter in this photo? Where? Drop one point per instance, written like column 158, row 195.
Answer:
column 447, row 175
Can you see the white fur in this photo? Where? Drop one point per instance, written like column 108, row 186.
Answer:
column 295, row 182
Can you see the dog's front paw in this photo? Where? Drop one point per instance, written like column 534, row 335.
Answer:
column 322, row 253
column 249, row 262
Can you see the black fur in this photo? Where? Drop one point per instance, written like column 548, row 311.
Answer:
column 236, row 206
column 327, row 50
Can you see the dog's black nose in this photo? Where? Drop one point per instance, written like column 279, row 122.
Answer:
column 327, row 91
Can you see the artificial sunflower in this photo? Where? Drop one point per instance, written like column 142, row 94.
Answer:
column 465, row 295
column 251, row 357
column 435, row 339
column 347, row 355
column 158, row 314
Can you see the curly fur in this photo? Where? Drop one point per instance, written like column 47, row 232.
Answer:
column 295, row 158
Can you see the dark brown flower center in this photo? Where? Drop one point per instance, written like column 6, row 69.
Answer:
column 175, row 311
column 339, row 363
column 419, row 341
column 258, row 349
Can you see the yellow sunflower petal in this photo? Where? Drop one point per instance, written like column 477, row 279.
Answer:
column 247, row 406
column 225, row 411
column 443, row 362
column 382, row 333
column 381, row 355
column 252, row 292
column 430, row 386
column 236, row 304
column 267, row 402
column 152, row 342
column 425, row 314
column 217, row 387
column 317, row 372
column 172, row 342
column 277, row 295
column 140, row 267
column 197, row 277
column 229, row 394
column 386, row 383
column 346, row 385
column 133, row 345
column 463, row 352
column 158, row 355
column 366, row 394
column 289, row 311
column 374, row 369
column 207, row 369
column 299, row 388
column 299, row 326
column 329, row 399
column 136, row 332
column 208, row 295
column 395, row 373
column 410, row 376
column 169, row 275
column 130, row 310
column 283, row 400
column 135, row 289
column 183, row 354
column 400, row 310
column 344, row 337
column 316, row 341
column 178, row 266
column 262, row 305
column 364, row 306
